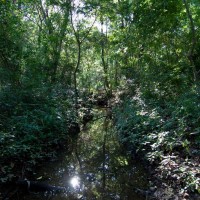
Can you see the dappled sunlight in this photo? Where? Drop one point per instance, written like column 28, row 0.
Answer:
column 99, row 99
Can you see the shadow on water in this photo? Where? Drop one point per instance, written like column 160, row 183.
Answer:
column 97, row 168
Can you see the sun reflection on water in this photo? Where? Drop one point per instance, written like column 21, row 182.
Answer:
column 75, row 182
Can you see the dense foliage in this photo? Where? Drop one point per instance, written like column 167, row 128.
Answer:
column 145, row 54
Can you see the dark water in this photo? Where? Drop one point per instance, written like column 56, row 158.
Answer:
column 98, row 168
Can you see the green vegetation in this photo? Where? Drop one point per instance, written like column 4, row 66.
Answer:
column 141, row 57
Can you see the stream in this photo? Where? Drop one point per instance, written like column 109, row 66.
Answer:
column 98, row 167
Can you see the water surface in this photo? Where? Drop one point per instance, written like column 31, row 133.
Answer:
column 97, row 168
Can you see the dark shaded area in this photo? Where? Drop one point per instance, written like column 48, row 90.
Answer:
column 97, row 167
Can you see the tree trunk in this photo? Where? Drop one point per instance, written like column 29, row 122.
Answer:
column 105, row 65
column 193, row 40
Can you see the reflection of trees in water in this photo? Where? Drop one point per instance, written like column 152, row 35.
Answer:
column 104, row 162
column 100, row 164
column 105, row 127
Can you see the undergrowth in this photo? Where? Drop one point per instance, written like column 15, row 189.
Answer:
column 34, row 123
column 166, row 136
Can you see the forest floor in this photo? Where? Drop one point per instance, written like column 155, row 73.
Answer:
column 175, row 173
column 173, row 177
